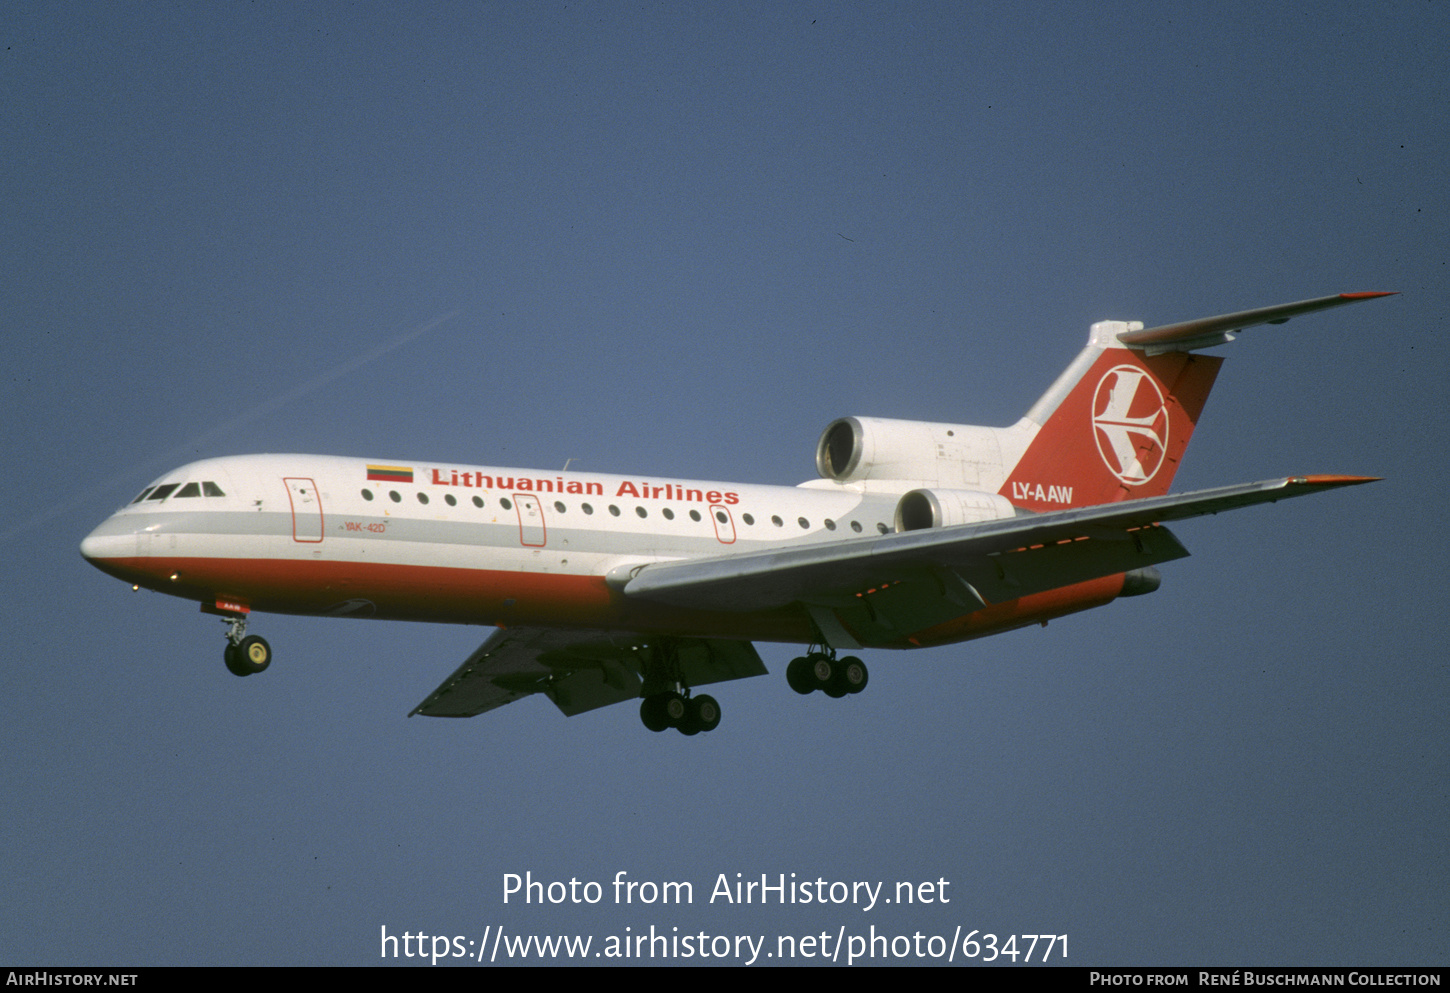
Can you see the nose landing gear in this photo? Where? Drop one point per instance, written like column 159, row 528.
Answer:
column 245, row 654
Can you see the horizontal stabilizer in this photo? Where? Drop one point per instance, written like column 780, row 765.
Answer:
column 1208, row 331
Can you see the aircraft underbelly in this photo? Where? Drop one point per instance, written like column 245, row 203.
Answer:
column 454, row 595
column 333, row 587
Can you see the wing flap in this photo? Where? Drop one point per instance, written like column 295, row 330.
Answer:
column 924, row 599
column 1036, row 568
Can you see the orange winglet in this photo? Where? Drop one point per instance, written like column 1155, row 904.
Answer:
column 1330, row 479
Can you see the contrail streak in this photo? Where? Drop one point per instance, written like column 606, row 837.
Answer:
column 172, row 455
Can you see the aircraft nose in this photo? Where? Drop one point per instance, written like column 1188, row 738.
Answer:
column 108, row 542
column 95, row 546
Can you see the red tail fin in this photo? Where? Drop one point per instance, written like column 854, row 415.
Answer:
column 1118, row 433
column 1115, row 424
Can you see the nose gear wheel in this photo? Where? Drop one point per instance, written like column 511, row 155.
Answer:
column 245, row 655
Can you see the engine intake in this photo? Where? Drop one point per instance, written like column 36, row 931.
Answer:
column 839, row 451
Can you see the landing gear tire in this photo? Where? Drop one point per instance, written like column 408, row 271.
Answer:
column 652, row 713
column 234, row 662
column 851, row 675
column 705, row 712
column 252, row 656
column 675, row 708
column 823, row 674
column 798, row 675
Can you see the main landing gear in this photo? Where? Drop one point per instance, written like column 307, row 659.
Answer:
column 245, row 654
column 686, row 714
column 667, row 701
column 821, row 670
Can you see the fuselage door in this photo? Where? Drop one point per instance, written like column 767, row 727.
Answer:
column 306, row 509
column 531, row 519
column 724, row 523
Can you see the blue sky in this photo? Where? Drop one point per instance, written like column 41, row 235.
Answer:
column 680, row 240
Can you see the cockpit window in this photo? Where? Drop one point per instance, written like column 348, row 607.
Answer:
column 207, row 488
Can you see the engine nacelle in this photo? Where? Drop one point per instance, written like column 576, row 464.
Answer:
column 922, row 509
column 857, row 449
column 854, row 448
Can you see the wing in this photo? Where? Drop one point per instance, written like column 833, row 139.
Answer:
column 579, row 670
column 918, row 578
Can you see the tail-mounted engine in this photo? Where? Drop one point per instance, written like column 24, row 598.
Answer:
column 918, row 453
column 857, row 449
column 922, row 509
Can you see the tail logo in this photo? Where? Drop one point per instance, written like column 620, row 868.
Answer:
column 1130, row 422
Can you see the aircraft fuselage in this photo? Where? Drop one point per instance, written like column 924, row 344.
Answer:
column 332, row 536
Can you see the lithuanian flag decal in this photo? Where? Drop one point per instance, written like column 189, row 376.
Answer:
column 391, row 473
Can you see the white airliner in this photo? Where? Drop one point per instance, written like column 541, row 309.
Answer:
column 612, row 588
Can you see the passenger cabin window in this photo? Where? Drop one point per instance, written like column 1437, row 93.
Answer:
column 450, row 499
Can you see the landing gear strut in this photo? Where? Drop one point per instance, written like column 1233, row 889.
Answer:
column 667, row 701
column 821, row 670
column 245, row 654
